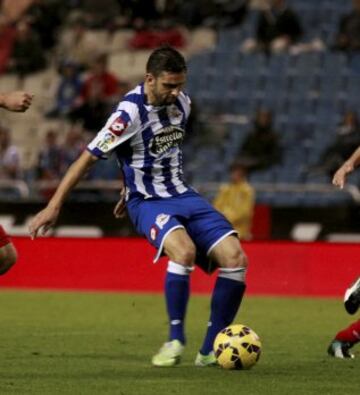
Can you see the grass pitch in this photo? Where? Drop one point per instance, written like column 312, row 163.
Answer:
column 93, row 343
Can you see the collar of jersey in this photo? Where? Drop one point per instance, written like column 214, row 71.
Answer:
column 149, row 107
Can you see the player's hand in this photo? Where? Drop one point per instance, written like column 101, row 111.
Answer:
column 18, row 101
column 119, row 210
column 43, row 221
column 339, row 179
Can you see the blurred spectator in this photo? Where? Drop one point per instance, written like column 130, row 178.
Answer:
column 7, row 38
column 146, row 38
column 49, row 160
column 135, row 12
column 348, row 38
column 78, row 46
column 100, row 14
column 14, row 10
column 67, row 91
column 236, row 201
column 45, row 18
column 102, row 81
column 187, row 12
column 27, row 55
column 93, row 111
column 227, row 13
column 9, row 157
column 261, row 148
column 72, row 147
column 277, row 30
column 347, row 140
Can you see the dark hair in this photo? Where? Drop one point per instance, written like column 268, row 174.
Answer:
column 239, row 165
column 167, row 59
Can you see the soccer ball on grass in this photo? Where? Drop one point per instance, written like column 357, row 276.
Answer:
column 237, row 347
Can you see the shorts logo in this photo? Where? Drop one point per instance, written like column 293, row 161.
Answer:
column 104, row 143
column 118, row 126
column 161, row 220
column 153, row 233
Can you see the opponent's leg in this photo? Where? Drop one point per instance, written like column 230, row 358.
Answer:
column 227, row 294
column 181, row 252
column 8, row 253
column 352, row 298
column 344, row 340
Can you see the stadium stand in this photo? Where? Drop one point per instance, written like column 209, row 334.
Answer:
column 308, row 93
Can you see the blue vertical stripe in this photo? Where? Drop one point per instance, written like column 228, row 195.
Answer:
column 165, row 163
column 124, row 154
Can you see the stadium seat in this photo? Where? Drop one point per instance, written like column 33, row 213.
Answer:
column 120, row 39
column 9, row 82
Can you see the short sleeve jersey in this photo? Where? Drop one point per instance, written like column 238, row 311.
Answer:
column 147, row 142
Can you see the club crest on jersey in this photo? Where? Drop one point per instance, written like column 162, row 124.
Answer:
column 161, row 220
column 118, row 126
column 169, row 137
column 174, row 112
column 107, row 140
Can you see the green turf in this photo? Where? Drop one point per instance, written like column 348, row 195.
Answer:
column 85, row 343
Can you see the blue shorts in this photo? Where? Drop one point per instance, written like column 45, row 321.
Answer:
column 155, row 218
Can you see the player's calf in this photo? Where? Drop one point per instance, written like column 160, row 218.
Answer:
column 8, row 257
column 344, row 341
column 181, row 252
column 352, row 298
column 228, row 291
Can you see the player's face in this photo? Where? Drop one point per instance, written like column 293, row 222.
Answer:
column 166, row 87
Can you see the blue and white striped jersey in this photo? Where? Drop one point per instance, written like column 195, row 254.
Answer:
column 147, row 141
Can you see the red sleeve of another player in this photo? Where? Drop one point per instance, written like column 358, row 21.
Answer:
column 4, row 238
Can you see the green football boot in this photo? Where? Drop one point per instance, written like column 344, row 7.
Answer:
column 169, row 354
column 205, row 360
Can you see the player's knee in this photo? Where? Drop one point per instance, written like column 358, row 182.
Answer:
column 235, row 259
column 8, row 260
column 185, row 255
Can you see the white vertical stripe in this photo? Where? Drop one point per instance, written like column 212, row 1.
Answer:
column 137, row 163
column 175, row 163
column 159, row 185
column 156, row 172
column 140, row 187
column 185, row 102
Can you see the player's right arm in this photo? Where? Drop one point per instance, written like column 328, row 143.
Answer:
column 47, row 217
column 348, row 167
column 120, row 126
column 17, row 101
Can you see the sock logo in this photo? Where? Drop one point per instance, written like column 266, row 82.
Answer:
column 175, row 322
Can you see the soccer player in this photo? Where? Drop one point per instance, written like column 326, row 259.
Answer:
column 348, row 337
column 14, row 101
column 146, row 132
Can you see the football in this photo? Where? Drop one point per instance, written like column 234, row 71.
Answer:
column 237, row 347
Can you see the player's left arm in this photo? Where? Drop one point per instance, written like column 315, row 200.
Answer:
column 17, row 101
column 119, row 209
column 348, row 167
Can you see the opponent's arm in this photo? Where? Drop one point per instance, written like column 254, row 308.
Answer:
column 347, row 168
column 48, row 216
column 18, row 101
